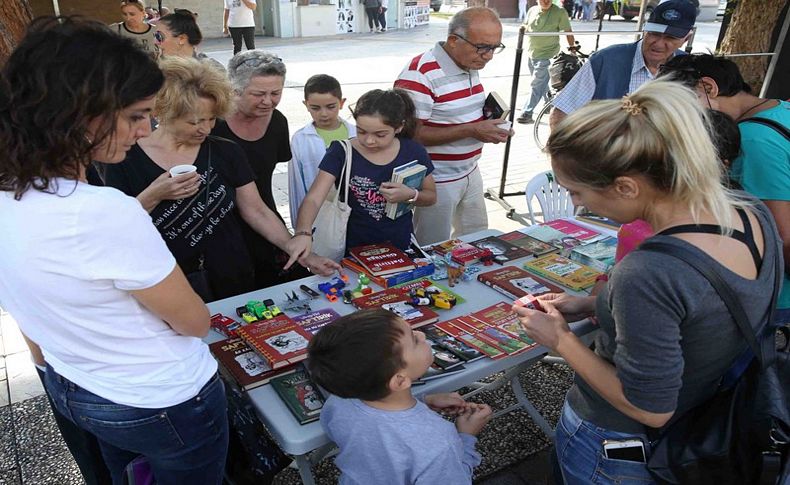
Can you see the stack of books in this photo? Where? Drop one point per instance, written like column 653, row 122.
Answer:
column 280, row 341
column 514, row 282
column 398, row 302
column 421, row 264
column 412, row 174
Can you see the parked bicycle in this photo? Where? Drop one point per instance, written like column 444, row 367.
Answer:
column 562, row 70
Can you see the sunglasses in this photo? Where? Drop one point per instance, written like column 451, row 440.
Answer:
column 483, row 49
column 159, row 36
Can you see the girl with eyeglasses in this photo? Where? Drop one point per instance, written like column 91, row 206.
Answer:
column 135, row 27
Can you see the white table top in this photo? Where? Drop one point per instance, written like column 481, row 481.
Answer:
column 296, row 439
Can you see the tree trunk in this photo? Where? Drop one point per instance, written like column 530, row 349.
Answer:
column 750, row 31
column 15, row 15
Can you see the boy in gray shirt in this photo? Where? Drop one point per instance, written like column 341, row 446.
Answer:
column 368, row 361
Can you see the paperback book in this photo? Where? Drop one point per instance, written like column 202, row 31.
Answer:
column 382, row 259
column 396, row 301
column 598, row 255
column 316, row 320
column 564, row 271
column 514, row 282
column 448, row 342
column 591, row 218
column 239, row 362
column 534, row 247
column 502, row 250
column 483, row 346
column 461, row 252
column 279, row 341
column 575, row 231
column 495, row 107
column 300, row 394
column 494, row 336
column 412, row 174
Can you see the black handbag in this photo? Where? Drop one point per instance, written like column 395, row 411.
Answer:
column 741, row 434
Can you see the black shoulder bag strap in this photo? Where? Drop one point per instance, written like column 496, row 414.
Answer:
column 770, row 123
column 761, row 347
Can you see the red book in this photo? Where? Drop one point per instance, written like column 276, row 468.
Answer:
column 280, row 341
column 243, row 365
column 394, row 300
column 496, row 315
column 574, row 230
column 470, row 338
column 515, row 282
column 461, row 252
column 382, row 259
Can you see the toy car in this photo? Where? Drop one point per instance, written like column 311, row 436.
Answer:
column 257, row 310
column 332, row 288
column 224, row 325
column 432, row 295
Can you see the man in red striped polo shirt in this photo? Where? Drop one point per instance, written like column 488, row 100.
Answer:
column 445, row 86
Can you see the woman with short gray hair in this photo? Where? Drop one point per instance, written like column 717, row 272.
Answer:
column 258, row 78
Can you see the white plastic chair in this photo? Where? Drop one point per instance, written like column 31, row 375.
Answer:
column 554, row 200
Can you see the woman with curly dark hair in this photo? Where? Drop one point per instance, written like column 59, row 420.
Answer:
column 85, row 274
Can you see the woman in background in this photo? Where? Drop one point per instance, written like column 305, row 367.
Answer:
column 178, row 34
column 135, row 27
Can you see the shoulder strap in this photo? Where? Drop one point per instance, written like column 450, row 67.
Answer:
column 760, row 348
column 345, row 173
column 770, row 123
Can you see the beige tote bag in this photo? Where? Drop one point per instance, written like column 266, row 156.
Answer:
column 329, row 238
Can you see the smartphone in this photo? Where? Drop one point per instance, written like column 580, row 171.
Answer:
column 628, row 450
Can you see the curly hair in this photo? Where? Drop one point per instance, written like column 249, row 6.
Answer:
column 64, row 74
column 186, row 81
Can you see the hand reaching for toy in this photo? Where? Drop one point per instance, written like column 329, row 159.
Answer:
column 473, row 418
column 393, row 192
column 298, row 248
column 320, row 265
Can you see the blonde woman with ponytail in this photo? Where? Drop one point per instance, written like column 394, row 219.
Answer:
column 666, row 336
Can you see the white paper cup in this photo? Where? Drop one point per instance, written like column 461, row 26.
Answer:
column 505, row 125
column 182, row 169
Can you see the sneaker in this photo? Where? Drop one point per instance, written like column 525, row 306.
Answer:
column 525, row 119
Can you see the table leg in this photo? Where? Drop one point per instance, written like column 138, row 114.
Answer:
column 305, row 471
column 530, row 409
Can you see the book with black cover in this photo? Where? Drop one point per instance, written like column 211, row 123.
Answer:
column 495, row 107
column 300, row 394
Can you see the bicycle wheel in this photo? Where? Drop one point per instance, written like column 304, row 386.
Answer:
column 541, row 129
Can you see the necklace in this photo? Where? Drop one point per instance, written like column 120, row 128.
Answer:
column 753, row 107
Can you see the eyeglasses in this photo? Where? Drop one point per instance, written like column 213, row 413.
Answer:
column 483, row 49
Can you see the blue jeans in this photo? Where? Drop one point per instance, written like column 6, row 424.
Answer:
column 539, row 70
column 185, row 443
column 579, row 446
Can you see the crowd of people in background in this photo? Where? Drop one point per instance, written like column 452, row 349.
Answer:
column 149, row 193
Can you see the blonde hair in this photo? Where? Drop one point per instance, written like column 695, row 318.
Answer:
column 186, row 81
column 659, row 131
column 134, row 3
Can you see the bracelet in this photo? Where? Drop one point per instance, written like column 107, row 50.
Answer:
column 414, row 199
column 303, row 233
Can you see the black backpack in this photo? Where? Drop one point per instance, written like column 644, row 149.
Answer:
column 563, row 67
column 741, row 435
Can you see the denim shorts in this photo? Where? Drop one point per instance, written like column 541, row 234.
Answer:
column 579, row 446
column 185, row 443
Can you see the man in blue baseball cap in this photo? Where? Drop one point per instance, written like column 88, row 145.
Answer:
column 619, row 69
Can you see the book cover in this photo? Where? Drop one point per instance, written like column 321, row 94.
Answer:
column 425, row 267
column 562, row 270
column 502, row 250
column 448, row 342
column 242, row 364
column 574, row 230
column 496, row 315
column 514, row 282
column 590, row 218
column 597, row 255
column 415, row 316
column 279, row 341
column 316, row 320
column 471, row 340
column 534, row 247
column 495, row 107
column 411, row 175
column 300, row 394
column 461, row 252
column 444, row 358
column 378, row 298
column 382, row 259
column 547, row 234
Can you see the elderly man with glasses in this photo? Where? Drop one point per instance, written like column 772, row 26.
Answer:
column 445, row 87
column 543, row 17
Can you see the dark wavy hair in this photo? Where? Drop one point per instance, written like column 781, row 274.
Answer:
column 182, row 21
column 65, row 72
column 393, row 105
